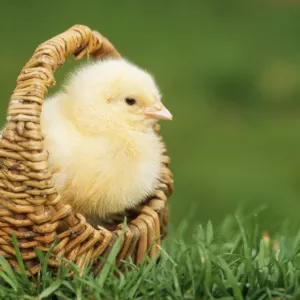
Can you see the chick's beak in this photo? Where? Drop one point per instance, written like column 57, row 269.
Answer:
column 158, row 111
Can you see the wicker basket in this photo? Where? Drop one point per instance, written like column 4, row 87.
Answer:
column 30, row 207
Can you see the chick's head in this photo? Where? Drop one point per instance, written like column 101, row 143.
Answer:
column 113, row 94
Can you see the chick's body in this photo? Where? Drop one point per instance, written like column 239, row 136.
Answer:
column 102, row 148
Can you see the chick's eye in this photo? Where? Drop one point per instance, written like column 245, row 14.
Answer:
column 130, row 101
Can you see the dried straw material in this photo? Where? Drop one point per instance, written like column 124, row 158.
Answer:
column 30, row 207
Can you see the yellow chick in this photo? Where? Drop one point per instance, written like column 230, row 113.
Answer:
column 99, row 134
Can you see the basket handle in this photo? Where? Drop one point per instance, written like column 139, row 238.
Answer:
column 38, row 74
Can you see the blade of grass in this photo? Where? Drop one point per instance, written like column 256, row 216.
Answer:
column 231, row 278
column 109, row 264
column 51, row 289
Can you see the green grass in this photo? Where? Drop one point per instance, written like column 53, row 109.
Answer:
column 238, row 260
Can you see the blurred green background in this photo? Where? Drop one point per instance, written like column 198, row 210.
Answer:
column 229, row 72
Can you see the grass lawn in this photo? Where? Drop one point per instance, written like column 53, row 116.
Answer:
column 238, row 260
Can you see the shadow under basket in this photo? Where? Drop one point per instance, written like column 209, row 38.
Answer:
column 30, row 207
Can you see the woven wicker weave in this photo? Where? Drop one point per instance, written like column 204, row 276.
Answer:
column 30, row 206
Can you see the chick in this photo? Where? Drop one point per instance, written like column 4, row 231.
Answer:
column 99, row 134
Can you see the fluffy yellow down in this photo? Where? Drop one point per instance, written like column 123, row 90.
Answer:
column 102, row 149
